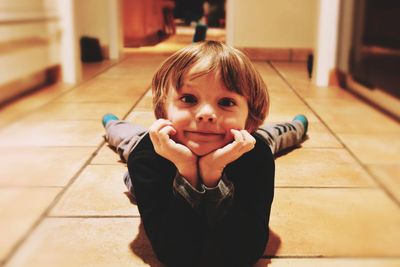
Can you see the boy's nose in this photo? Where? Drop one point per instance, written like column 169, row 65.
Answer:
column 206, row 113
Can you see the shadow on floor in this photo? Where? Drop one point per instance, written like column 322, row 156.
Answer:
column 274, row 243
column 141, row 247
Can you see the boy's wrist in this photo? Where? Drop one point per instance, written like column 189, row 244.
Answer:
column 210, row 175
column 189, row 172
column 211, row 181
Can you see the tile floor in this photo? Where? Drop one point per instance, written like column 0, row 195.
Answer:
column 63, row 203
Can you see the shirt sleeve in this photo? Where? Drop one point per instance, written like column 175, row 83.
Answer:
column 183, row 188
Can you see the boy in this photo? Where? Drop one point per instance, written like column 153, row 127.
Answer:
column 203, row 175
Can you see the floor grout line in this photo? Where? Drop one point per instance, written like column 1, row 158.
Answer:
column 332, row 257
column 376, row 180
column 93, row 216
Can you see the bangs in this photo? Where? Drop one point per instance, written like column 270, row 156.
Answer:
column 228, row 66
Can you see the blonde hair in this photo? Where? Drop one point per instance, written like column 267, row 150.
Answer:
column 236, row 71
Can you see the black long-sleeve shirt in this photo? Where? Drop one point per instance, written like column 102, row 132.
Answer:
column 229, row 222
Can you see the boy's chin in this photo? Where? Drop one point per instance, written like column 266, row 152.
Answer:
column 202, row 149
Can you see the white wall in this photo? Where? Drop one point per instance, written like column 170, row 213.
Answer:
column 272, row 23
column 29, row 43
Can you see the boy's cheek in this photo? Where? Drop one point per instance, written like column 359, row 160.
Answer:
column 229, row 136
column 177, row 137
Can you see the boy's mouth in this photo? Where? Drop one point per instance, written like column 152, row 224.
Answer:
column 201, row 136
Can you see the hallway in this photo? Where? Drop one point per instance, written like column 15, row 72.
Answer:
column 63, row 201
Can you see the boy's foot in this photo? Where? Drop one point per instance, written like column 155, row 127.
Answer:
column 303, row 120
column 108, row 117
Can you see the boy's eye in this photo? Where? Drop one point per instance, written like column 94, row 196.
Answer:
column 226, row 102
column 189, row 99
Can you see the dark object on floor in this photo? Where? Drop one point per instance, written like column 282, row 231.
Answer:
column 310, row 60
column 200, row 33
column 90, row 49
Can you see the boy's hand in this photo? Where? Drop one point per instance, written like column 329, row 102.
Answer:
column 212, row 165
column 183, row 158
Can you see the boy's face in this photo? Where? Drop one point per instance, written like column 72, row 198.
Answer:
column 203, row 112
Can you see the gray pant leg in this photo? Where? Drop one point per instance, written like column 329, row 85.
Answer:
column 128, row 183
column 123, row 136
column 282, row 135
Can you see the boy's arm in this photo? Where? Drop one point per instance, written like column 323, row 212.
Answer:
column 212, row 165
column 245, row 218
column 168, row 219
column 183, row 158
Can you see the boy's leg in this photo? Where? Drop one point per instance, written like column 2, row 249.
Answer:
column 129, row 186
column 121, row 135
column 284, row 135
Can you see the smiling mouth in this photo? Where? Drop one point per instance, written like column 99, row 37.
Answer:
column 204, row 136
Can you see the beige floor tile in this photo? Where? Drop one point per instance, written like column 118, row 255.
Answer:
column 265, row 69
column 146, row 103
column 349, row 116
column 80, row 111
column 320, row 168
column 143, row 118
column 292, row 69
column 280, row 93
column 141, row 63
column 280, row 113
column 106, row 155
column 98, row 191
column 23, row 106
column 374, row 148
column 101, row 242
column 334, row 262
column 334, row 223
column 308, row 91
column 296, row 74
column 94, row 68
column 103, row 94
column 52, row 133
column 20, row 208
column 38, row 166
column 319, row 136
column 389, row 177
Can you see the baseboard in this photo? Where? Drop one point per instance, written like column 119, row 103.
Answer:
column 12, row 90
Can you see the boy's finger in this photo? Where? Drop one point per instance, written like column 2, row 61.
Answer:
column 158, row 124
column 249, row 141
column 237, row 135
column 165, row 133
column 229, row 149
column 155, row 128
column 247, row 137
column 154, row 137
